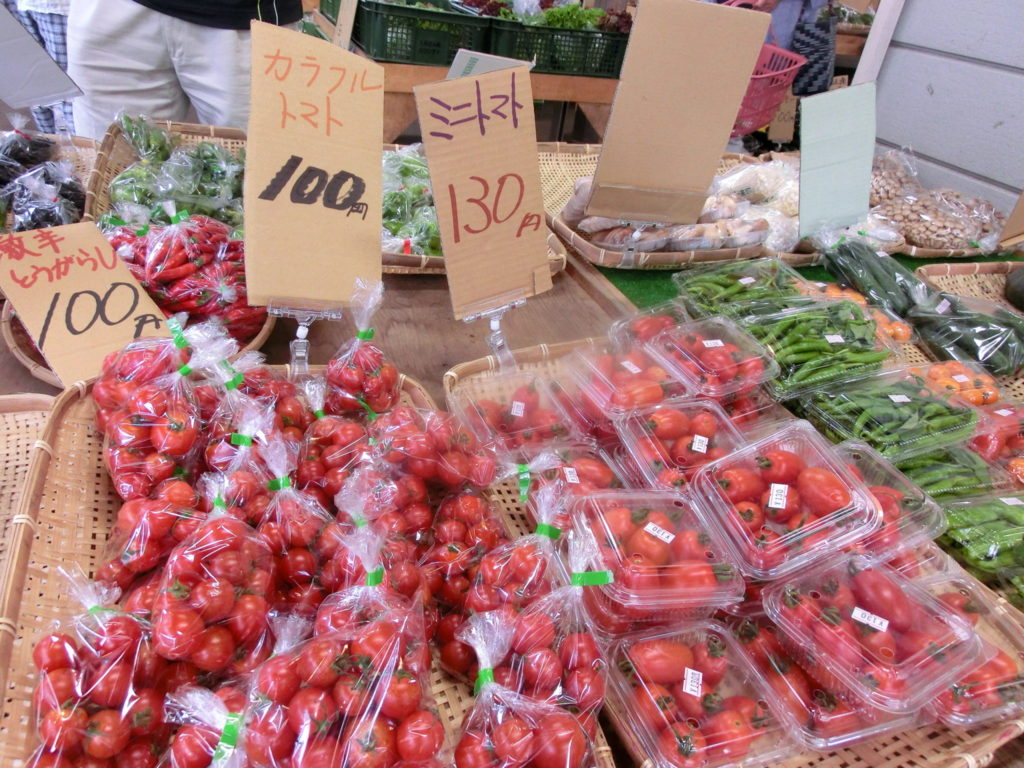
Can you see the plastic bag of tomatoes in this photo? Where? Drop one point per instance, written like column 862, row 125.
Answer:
column 331, row 445
column 214, row 598
column 574, row 469
column 146, row 530
column 100, row 692
column 434, row 446
column 157, row 433
column 358, row 694
column 682, row 695
column 362, row 379
column 505, row 729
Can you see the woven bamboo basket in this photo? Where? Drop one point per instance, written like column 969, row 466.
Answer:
column 933, row 746
column 411, row 264
column 62, row 519
column 25, row 351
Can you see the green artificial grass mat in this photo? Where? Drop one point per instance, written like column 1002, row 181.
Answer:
column 648, row 287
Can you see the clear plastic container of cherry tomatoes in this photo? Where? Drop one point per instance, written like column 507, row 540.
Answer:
column 608, row 384
column 882, row 636
column 924, row 560
column 994, row 690
column 718, row 356
column 785, row 501
column 671, row 441
column 648, row 323
column 822, row 717
column 666, row 564
column 909, row 516
column 894, row 413
column 514, row 410
column 717, row 289
column 682, row 697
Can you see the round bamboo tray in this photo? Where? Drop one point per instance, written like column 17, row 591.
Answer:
column 25, row 351
column 411, row 264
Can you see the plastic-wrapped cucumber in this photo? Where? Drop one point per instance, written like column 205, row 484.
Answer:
column 883, row 280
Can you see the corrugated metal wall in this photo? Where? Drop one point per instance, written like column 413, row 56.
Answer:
column 952, row 89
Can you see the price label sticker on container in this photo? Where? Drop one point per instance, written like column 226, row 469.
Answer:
column 899, row 398
column 778, row 493
column 960, row 378
column 1012, row 501
column 693, row 682
column 1004, row 412
column 834, row 338
column 518, row 408
column 313, row 170
column 942, row 307
column 660, row 533
column 481, row 145
column 699, row 444
column 630, row 366
column 571, row 475
column 711, row 343
column 75, row 297
column 747, row 280
column 869, row 619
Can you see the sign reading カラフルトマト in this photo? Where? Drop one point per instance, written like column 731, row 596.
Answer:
column 481, row 145
column 313, row 170
column 75, row 297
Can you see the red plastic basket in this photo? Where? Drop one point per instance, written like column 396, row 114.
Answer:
column 774, row 72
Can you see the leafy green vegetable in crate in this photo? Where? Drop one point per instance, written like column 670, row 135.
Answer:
column 409, row 218
column 570, row 16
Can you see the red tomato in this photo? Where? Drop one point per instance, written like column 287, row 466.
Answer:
column 473, row 751
column 655, row 705
column 62, row 730
column 823, row 491
column 176, row 633
column 369, row 743
column 877, row 594
column 750, row 515
column 780, row 466
column 683, row 746
column 741, row 484
column 579, row 651
column 106, row 734
column 56, row 651
column 710, row 659
column 778, row 514
column 145, row 714
column 532, row 631
column 310, row 712
column 215, row 650
column 513, row 741
column 560, row 742
column 419, row 737
column 659, row 661
column 402, row 695
column 668, row 424
column 728, row 735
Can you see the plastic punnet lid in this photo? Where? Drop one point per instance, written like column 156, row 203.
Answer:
column 994, row 690
column 669, row 442
column 824, row 343
column 731, row 288
column 665, row 561
column 894, row 413
column 718, row 356
column 674, row 693
column 785, row 501
column 909, row 516
column 822, row 717
column 511, row 409
column 883, row 637
column 954, row 472
column 648, row 323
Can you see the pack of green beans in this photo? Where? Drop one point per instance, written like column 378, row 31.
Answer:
column 827, row 342
column 986, row 533
column 894, row 413
column 727, row 289
column 954, row 472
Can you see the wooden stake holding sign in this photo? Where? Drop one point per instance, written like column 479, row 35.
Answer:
column 675, row 106
column 75, row 297
column 313, row 171
column 481, row 146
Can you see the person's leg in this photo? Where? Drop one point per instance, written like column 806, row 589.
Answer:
column 118, row 54
column 53, row 28
column 213, row 68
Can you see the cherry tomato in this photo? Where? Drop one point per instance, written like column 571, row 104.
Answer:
column 823, row 491
column 106, row 734
column 419, row 736
column 62, row 730
column 560, row 741
column 683, row 746
column 658, row 660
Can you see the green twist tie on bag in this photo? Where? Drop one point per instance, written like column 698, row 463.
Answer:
column 483, row 677
column 279, row 482
column 543, row 529
column 319, row 413
column 367, row 334
column 180, row 472
column 370, row 413
column 179, row 338
column 974, row 244
column 179, row 217
column 228, row 737
column 185, row 370
column 359, row 521
column 234, row 382
column 238, row 439
column 96, row 609
column 591, row 578
column 219, row 502
column 375, row 577
column 114, row 221
column 142, row 231
column 524, row 481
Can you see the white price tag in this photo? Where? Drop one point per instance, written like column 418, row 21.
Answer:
column 834, row 338
column 1004, row 412
column 630, row 366
column 699, row 444
column 961, row 378
column 659, row 533
column 747, row 280
column 1012, row 501
column 777, row 495
column 693, row 682
column 942, row 307
column 899, row 398
column 869, row 619
column 518, row 409
column 714, row 343
column 570, row 475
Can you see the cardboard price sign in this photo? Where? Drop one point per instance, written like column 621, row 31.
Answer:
column 481, row 145
column 675, row 106
column 75, row 297
column 1013, row 231
column 313, row 170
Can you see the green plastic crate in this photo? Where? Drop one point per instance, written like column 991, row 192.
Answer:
column 560, row 51
column 403, row 33
column 329, row 8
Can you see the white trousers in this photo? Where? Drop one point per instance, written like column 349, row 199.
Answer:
column 127, row 57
